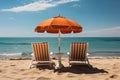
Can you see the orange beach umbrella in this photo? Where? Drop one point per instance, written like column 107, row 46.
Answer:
column 58, row 25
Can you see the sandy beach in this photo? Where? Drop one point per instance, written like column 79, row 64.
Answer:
column 103, row 69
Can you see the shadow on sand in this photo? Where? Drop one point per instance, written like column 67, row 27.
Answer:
column 41, row 67
column 79, row 69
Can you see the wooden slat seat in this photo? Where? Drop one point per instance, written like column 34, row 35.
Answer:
column 78, row 53
column 41, row 54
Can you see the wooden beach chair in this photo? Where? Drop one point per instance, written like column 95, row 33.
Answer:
column 78, row 55
column 41, row 54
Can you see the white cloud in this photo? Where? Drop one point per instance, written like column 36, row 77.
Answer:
column 107, row 32
column 38, row 5
column 75, row 5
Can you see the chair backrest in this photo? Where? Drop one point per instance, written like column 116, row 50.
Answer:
column 40, row 51
column 78, row 51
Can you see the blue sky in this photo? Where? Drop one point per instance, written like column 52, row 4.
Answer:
column 99, row 18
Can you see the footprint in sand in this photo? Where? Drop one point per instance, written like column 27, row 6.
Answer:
column 12, row 65
column 70, row 76
column 6, row 66
column 0, row 71
column 29, row 73
column 14, row 72
column 106, row 79
column 22, row 69
column 114, row 76
column 43, row 78
column 18, row 79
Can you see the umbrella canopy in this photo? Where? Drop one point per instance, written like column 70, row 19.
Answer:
column 58, row 25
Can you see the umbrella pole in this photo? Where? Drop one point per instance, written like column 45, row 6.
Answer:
column 59, row 41
column 59, row 64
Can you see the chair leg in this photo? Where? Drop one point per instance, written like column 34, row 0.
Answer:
column 50, row 65
column 69, row 62
column 31, row 64
column 89, row 64
column 88, row 61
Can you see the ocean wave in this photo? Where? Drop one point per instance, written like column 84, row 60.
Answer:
column 2, row 43
column 15, row 55
column 23, row 55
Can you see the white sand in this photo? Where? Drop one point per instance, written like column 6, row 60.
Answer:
column 103, row 69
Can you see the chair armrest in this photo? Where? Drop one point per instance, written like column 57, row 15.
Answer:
column 33, row 58
column 88, row 54
column 32, row 54
column 68, row 53
column 51, row 53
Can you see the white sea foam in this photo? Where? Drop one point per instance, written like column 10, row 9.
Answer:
column 14, row 55
column 10, row 54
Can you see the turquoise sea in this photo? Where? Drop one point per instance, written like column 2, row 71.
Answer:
column 18, row 47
